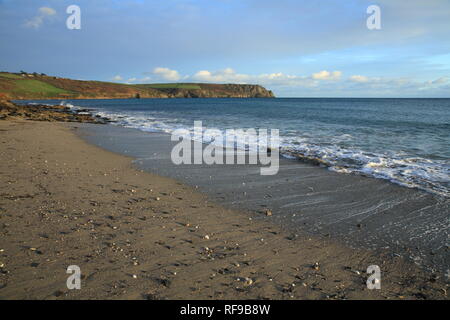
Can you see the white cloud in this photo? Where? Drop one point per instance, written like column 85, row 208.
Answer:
column 117, row 78
column 229, row 75
column 326, row 75
column 225, row 75
column 38, row 20
column 167, row 74
column 285, row 80
column 441, row 80
column 46, row 11
column 358, row 78
column 203, row 75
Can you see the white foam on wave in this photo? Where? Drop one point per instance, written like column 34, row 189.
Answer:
column 425, row 174
column 70, row 106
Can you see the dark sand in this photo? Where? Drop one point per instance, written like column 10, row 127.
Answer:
column 136, row 235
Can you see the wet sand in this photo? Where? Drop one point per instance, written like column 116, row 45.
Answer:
column 137, row 235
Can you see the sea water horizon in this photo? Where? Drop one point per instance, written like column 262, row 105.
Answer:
column 403, row 140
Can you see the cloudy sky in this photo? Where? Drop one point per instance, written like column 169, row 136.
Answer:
column 297, row 48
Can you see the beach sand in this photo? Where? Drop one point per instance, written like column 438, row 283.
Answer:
column 353, row 209
column 136, row 235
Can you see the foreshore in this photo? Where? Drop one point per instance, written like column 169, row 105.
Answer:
column 360, row 211
column 137, row 235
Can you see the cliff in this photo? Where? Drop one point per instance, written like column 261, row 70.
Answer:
column 18, row 86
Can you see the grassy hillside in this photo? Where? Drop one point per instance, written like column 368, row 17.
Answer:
column 38, row 86
column 10, row 75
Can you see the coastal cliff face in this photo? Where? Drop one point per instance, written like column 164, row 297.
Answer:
column 220, row 91
column 38, row 86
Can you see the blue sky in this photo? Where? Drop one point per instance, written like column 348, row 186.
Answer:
column 296, row 48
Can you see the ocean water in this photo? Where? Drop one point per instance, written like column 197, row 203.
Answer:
column 406, row 141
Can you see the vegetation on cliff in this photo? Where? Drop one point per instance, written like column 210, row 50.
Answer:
column 40, row 86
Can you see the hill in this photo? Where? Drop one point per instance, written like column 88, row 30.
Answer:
column 23, row 85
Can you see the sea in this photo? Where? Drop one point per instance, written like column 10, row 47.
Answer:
column 405, row 141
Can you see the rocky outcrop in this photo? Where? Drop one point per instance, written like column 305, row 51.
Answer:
column 43, row 112
column 220, row 91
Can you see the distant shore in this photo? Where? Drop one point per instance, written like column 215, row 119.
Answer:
column 23, row 86
column 136, row 235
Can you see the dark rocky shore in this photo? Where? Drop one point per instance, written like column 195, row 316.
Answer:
column 44, row 112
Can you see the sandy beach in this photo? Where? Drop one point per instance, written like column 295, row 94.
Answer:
column 136, row 235
column 224, row 158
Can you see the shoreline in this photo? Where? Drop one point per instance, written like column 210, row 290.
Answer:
column 360, row 211
column 415, row 225
column 402, row 177
column 286, row 152
column 135, row 235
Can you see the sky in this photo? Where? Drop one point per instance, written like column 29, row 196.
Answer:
column 297, row 48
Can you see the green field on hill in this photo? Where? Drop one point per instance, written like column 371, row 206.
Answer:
column 38, row 87
column 19, row 85
column 9, row 75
